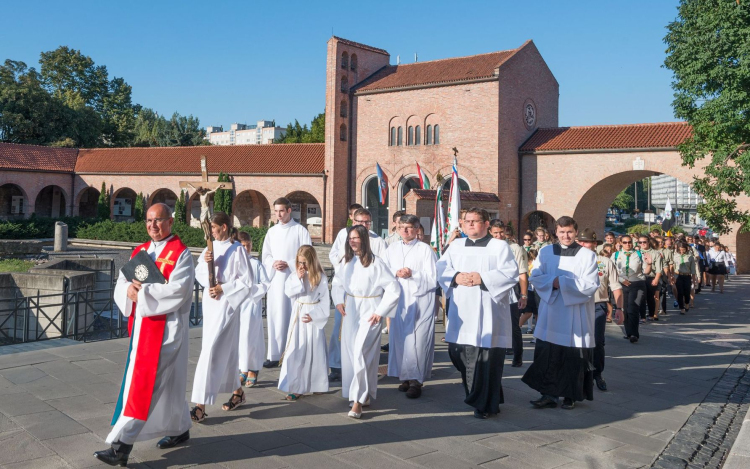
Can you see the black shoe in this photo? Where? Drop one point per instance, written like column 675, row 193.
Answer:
column 633, row 339
column 600, row 383
column 270, row 364
column 517, row 364
column 403, row 387
column 115, row 457
column 543, row 402
column 626, row 337
column 385, row 348
column 335, row 374
column 414, row 391
column 481, row 415
column 568, row 404
column 172, row 441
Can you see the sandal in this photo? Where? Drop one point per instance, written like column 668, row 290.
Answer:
column 293, row 397
column 251, row 380
column 232, row 404
column 243, row 378
column 194, row 414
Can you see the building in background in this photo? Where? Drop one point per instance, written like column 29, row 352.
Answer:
column 242, row 134
column 682, row 198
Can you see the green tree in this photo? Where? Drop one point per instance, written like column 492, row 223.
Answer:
column 179, row 208
column 102, row 205
column 223, row 198
column 707, row 51
column 181, row 131
column 296, row 133
column 139, row 206
column 623, row 201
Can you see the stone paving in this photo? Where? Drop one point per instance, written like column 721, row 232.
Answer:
column 57, row 398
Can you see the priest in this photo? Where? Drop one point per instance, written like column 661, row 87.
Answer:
column 279, row 255
column 152, row 399
column 412, row 333
column 477, row 273
column 566, row 277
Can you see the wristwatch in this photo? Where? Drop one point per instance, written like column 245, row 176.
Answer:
column 525, row 297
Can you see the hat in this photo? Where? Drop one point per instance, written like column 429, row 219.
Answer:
column 588, row 235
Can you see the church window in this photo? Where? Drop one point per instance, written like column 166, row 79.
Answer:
column 354, row 62
column 410, row 136
column 392, row 142
column 417, row 135
column 344, row 84
column 344, row 60
column 343, row 110
column 400, row 136
column 436, row 140
column 428, row 136
column 462, row 184
column 342, row 131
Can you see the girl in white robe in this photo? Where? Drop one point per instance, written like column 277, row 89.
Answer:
column 304, row 366
column 216, row 370
column 364, row 291
column 252, row 343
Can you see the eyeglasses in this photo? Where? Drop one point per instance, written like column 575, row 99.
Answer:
column 473, row 222
column 642, row 242
column 363, row 222
column 527, row 239
column 627, row 242
column 151, row 221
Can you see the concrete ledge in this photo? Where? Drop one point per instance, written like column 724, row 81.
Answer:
column 739, row 455
column 20, row 247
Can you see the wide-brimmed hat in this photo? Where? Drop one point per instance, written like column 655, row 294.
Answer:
column 587, row 235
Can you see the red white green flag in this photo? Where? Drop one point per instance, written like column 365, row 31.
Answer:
column 423, row 180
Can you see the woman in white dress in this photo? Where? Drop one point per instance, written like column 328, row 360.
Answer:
column 216, row 370
column 252, row 343
column 304, row 365
column 364, row 291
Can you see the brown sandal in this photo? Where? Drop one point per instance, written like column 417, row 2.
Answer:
column 232, row 404
column 194, row 414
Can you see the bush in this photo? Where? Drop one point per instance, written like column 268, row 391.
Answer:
column 37, row 227
column 15, row 265
column 257, row 235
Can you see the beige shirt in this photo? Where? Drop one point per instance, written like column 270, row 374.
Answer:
column 668, row 257
column 684, row 264
column 522, row 258
column 608, row 278
column 629, row 266
column 657, row 262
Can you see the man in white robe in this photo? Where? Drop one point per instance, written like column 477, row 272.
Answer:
column 476, row 273
column 360, row 216
column 152, row 399
column 279, row 254
column 566, row 277
column 412, row 334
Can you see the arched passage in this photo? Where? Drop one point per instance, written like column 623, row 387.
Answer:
column 88, row 199
column 163, row 196
column 251, row 208
column 536, row 219
column 371, row 201
column 50, row 202
column 306, row 210
column 406, row 184
column 13, row 201
column 123, row 203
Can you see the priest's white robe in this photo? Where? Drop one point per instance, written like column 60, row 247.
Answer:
column 169, row 414
column 280, row 244
column 412, row 331
column 566, row 315
column 336, row 256
column 252, row 347
column 364, row 291
column 216, row 370
column 305, row 365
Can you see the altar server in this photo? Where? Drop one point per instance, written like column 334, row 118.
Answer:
column 252, row 343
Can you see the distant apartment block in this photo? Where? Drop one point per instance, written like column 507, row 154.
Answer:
column 242, row 134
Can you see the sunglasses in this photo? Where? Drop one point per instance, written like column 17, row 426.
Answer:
column 527, row 239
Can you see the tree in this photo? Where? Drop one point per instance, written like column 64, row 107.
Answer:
column 223, row 198
column 296, row 133
column 707, row 51
column 623, row 201
column 179, row 208
column 102, row 205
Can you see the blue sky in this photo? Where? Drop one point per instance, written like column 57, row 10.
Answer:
column 230, row 62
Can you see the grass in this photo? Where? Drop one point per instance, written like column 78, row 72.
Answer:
column 15, row 265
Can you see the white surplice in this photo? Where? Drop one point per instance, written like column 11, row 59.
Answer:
column 216, row 371
column 566, row 315
column 412, row 331
column 169, row 414
column 280, row 244
column 252, row 347
column 479, row 316
column 364, row 291
column 305, row 365
column 336, row 256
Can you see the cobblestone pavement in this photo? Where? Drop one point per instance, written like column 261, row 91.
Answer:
column 673, row 396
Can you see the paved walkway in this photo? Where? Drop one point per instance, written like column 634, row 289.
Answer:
column 57, row 398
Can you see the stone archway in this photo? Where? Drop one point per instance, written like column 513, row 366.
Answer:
column 163, row 196
column 123, row 204
column 250, row 208
column 307, row 211
column 50, row 202
column 88, row 200
column 13, row 202
column 536, row 219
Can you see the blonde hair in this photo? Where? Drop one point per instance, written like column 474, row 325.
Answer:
column 314, row 269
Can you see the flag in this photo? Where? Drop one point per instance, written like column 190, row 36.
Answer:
column 454, row 203
column 668, row 209
column 423, row 181
column 382, row 185
column 438, row 223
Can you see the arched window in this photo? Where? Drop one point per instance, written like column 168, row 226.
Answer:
column 392, row 141
column 407, row 185
column 410, row 136
column 343, row 110
column 342, row 131
column 436, row 140
column 371, row 201
column 417, row 135
column 354, row 62
column 344, row 60
column 462, row 184
column 344, row 84
column 400, row 136
column 428, row 136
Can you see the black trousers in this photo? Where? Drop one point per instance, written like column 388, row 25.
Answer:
column 600, row 324
column 481, row 375
column 515, row 316
column 683, row 283
column 634, row 297
column 650, row 297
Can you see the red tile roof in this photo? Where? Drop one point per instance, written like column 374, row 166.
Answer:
column 437, row 71
column 361, row 46
column 606, row 137
column 33, row 157
column 428, row 194
column 292, row 158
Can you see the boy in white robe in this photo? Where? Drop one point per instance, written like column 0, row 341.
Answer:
column 364, row 291
column 279, row 253
column 166, row 408
column 305, row 361
column 477, row 273
column 412, row 334
column 566, row 277
column 252, row 343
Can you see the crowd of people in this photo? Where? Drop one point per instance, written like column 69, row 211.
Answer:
column 561, row 284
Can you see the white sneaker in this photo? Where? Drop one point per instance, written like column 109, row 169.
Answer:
column 384, row 331
column 354, row 415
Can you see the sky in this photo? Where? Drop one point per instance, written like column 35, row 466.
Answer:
column 226, row 62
